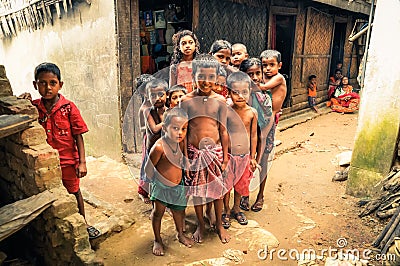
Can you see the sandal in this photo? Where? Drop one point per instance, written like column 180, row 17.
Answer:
column 257, row 206
column 244, row 203
column 240, row 217
column 226, row 223
column 93, row 232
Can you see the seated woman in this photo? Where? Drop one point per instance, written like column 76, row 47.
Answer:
column 344, row 100
column 334, row 82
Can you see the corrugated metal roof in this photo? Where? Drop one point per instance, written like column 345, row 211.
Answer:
column 357, row 6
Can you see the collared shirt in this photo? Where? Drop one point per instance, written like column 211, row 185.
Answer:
column 61, row 124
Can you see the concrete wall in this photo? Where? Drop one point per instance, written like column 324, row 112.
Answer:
column 83, row 44
column 379, row 120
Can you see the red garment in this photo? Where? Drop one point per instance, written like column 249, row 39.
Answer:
column 61, row 124
column 206, row 179
column 239, row 174
column 70, row 179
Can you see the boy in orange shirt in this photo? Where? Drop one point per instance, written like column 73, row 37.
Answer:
column 312, row 92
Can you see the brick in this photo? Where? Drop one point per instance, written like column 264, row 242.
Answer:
column 47, row 178
column 13, row 105
column 64, row 207
column 5, row 87
column 40, row 156
column 32, row 136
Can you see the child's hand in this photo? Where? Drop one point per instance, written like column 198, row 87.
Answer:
column 25, row 95
column 81, row 171
column 253, row 165
column 224, row 165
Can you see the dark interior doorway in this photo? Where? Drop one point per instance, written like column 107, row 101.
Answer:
column 339, row 37
column 283, row 41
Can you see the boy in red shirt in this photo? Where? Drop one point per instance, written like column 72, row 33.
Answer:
column 64, row 127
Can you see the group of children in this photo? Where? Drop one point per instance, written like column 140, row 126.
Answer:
column 205, row 132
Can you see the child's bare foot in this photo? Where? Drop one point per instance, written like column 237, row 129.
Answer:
column 145, row 199
column 185, row 240
column 198, row 235
column 158, row 249
column 223, row 235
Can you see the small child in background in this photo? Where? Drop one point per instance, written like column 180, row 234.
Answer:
column 312, row 92
column 220, row 85
column 164, row 168
column 222, row 51
column 239, row 53
column 141, row 82
column 174, row 95
column 242, row 129
column 156, row 91
column 186, row 47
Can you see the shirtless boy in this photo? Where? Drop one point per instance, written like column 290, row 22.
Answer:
column 207, row 143
column 276, row 83
column 164, row 168
column 156, row 92
column 242, row 128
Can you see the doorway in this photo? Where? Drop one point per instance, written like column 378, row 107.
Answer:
column 339, row 37
column 283, row 41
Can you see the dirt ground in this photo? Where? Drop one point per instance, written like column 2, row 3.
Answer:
column 303, row 207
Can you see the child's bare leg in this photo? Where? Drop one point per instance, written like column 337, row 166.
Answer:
column 236, row 202
column 81, row 205
column 158, row 212
column 223, row 235
column 179, row 216
column 227, row 198
column 210, row 214
column 201, row 228
column 257, row 206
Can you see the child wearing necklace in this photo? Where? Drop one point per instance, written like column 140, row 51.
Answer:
column 164, row 168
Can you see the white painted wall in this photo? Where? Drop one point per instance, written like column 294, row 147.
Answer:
column 83, row 44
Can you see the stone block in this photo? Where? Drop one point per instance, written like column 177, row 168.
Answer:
column 43, row 157
column 56, row 239
column 32, row 136
column 13, row 105
column 77, row 225
column 5, row 87
column 7, row 174
column 48, row 178
column 64, row 207
column 81, row 243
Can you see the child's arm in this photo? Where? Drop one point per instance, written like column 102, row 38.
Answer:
column 223, row 134
column 142, row 122
column 82, row 170
column 272, row 82
column 151, row 124
column 172, row 75
column 154, row 156
column 253, row 140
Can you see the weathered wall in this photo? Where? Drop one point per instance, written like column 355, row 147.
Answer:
column 83, row 44
column 379, row 121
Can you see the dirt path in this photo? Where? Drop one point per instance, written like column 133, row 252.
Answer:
column 303, row 207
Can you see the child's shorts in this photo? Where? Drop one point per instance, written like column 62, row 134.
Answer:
column 171, row 197
column 311, row 101
column 70, row 179
column 239, row 173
